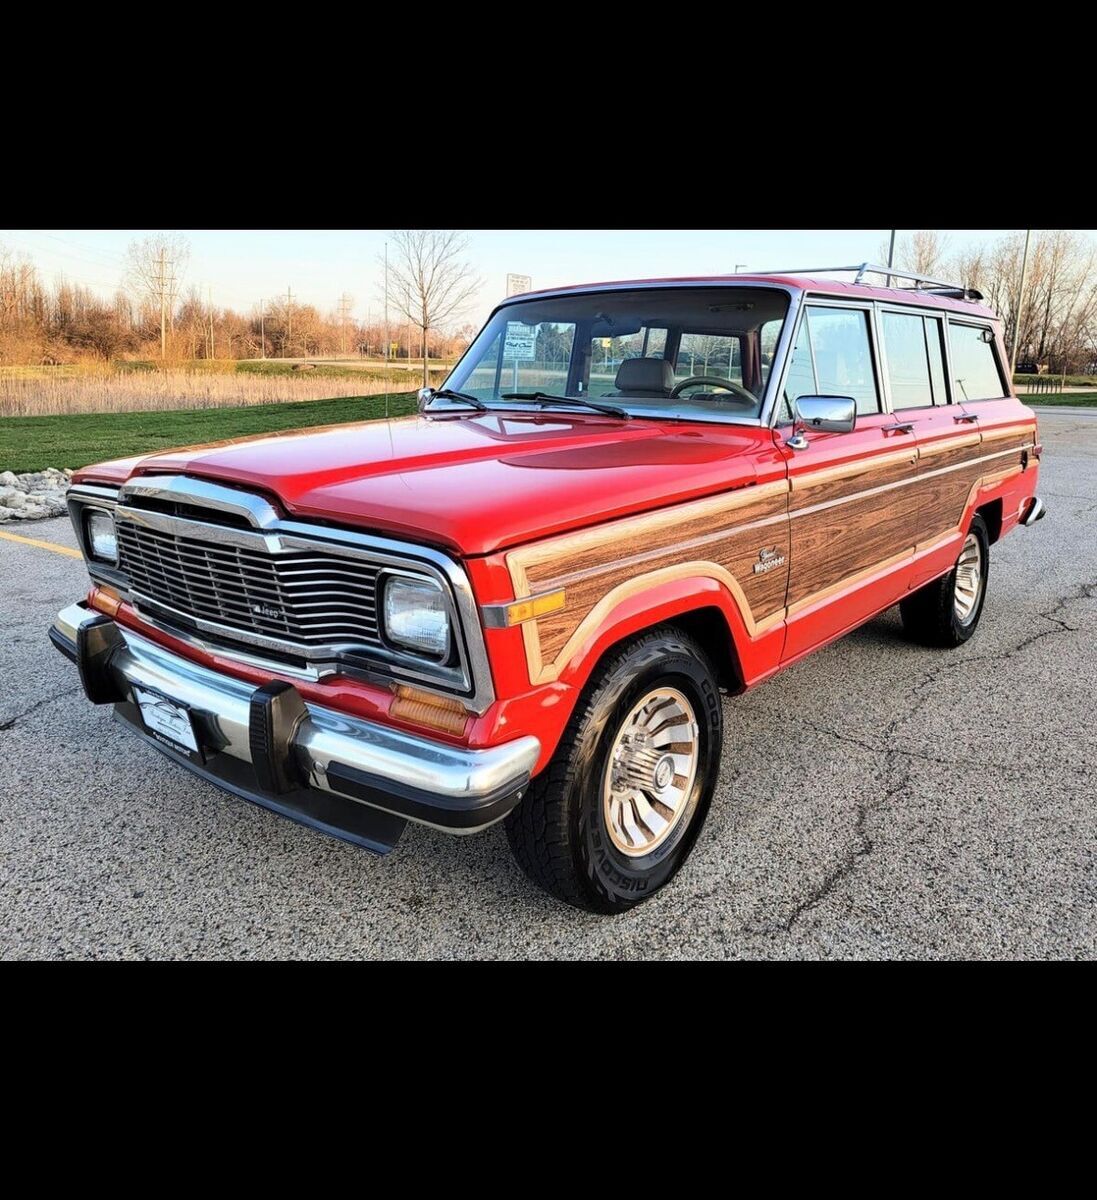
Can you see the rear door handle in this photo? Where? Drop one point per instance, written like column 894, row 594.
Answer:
column 966, row 417
column 908, row 427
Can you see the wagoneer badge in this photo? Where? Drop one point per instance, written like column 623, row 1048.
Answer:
column 267, row 610
column 768, row 560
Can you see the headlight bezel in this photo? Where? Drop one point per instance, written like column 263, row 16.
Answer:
column 91, row 513
column 410, row 581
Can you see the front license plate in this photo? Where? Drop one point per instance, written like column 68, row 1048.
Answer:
column 168, row 722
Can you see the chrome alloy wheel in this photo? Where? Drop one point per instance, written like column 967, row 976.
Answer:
column 969, row 577
column 650, row 773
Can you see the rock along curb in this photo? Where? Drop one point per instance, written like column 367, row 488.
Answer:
column 33, row 496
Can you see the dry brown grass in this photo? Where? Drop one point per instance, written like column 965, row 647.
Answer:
column 44, row 391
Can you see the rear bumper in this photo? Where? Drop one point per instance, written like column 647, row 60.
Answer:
column 355, row 779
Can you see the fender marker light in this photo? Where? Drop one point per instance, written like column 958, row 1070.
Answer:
column 500, row 616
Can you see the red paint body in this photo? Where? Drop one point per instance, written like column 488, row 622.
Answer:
column 478, row 484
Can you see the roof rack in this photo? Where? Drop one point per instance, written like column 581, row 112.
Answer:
column 922, row 283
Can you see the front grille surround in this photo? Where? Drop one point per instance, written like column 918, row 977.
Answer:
column 321, row 585
column 310, row 597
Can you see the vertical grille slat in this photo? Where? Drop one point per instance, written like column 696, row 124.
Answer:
column 309, row 597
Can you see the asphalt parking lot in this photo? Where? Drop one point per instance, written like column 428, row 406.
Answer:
column 878, row 800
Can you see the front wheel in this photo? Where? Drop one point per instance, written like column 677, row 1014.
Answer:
column 947, row 611
column 617, row 810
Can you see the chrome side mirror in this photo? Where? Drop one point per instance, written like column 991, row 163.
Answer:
column 425, row 396
column 827, row 414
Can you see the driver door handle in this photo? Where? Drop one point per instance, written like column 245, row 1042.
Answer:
column 966, row 417
column 906, row 427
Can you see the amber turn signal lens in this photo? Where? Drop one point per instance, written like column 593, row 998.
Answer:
column 536, row 606
column 107, row 600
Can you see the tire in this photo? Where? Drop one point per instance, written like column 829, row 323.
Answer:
column 932, row 615
column 573, row 833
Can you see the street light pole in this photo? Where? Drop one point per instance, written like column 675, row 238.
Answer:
column 1020, row 309
column 891, row 254
column 737, row 266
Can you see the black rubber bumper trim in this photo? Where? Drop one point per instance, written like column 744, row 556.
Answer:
column 420, row 805
column 66, row 645
column 326, row 812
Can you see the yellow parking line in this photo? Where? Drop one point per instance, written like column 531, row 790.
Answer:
column 14, row 537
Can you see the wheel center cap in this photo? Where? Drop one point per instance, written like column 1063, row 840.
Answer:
column 664, row 773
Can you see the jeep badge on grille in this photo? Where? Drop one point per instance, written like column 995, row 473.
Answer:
column 267, row 610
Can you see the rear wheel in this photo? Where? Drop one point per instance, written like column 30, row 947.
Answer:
column 947, row 611
column 616, row 812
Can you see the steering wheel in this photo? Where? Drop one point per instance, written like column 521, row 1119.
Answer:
column 741, row 393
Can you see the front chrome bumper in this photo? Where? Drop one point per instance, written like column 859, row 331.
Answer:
column 356, row 779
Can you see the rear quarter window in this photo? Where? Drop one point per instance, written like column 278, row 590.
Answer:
column 975, row 372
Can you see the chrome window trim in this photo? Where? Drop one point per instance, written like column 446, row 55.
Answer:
column 975, row 323
column 765, row 412
column 275, row 535
column 923, row 311
column 812, row 299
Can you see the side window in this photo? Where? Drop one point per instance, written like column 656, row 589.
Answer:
column 915, row 367
column 842, row 350
column 936, row 347
column 974, row 364
column 800, row 380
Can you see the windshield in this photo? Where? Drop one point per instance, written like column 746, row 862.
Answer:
column 699, row 354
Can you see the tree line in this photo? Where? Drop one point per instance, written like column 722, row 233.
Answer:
column 154, row 314
column 1058, row 315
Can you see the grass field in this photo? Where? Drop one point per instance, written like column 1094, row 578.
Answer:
column 1066, row 399
column 74, row 440
column 125, row 387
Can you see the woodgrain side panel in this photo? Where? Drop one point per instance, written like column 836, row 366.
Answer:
column 832, row 526
column 820, row 487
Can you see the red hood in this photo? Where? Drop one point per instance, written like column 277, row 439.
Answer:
column 477, row 484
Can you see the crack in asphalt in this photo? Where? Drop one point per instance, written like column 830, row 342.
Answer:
column 862, row 845
column 10, row 722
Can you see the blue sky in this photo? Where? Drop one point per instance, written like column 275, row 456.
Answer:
column 243, row 266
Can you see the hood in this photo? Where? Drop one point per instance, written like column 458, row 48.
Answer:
column 476, row 484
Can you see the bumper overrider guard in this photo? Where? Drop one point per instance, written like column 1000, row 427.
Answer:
column 354, row 779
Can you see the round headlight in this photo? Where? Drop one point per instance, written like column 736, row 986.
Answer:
column 416, row 615
column 102, row 540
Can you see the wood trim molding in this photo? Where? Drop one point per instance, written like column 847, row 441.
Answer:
column 541, row 672
column 634, row 531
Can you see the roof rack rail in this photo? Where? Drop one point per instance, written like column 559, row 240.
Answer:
column 922, row 283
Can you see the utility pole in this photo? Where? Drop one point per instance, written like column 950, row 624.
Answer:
column 388, row 337
column 162, row 290
column 1020, row 309
column 263, row 327
column 209, row 305
column 891, row 254
column 344, row 311
column 289, row 319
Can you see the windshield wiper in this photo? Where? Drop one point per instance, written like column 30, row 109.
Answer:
column 610, row 410
column 450, row 394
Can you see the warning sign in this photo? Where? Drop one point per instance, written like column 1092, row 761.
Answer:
column 520, row 342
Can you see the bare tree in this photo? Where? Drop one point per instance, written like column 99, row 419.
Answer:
column 923, row 252
column 430, row 282
column 154, row 271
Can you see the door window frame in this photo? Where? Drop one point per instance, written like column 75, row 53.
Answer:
column 969, row 323
column 874, row 343
column 911, row 310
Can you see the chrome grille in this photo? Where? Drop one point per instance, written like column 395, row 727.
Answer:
column 310, row 596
